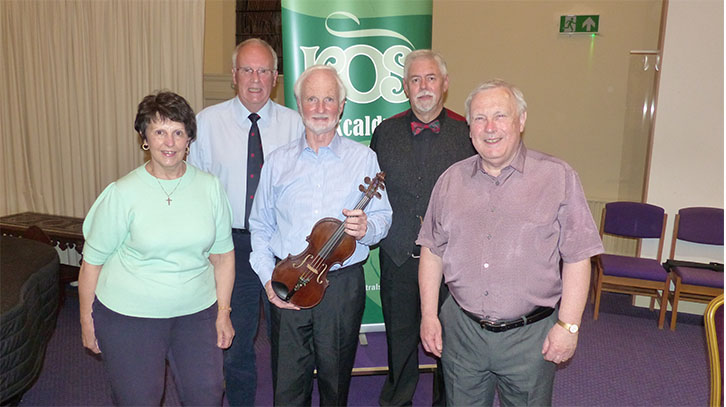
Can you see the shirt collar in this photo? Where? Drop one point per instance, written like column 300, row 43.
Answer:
column 517, row 162
column 412, row 117
column 335, row 146
column 519, row 159
column 242, row 113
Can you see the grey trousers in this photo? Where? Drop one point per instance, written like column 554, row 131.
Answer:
column 478, row 362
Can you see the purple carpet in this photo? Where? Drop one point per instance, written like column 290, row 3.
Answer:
column 623, row 359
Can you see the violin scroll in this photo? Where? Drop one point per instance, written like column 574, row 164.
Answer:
column 374, row 185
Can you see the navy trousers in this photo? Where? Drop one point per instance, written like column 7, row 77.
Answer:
column 240, row 371
column 135, row 351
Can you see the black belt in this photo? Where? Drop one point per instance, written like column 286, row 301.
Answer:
column 538, row 314
column 241, row 231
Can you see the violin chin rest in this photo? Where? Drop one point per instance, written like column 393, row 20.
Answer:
column 281, row 290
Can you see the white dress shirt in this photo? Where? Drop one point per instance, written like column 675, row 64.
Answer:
column 299, row 187
column 221, row 144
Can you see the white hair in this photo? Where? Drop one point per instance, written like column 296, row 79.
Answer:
column 493, row 84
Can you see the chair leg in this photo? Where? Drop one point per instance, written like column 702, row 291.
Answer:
column 674, row 307
column 598, row 293
column 593, row 279
column 664, row 302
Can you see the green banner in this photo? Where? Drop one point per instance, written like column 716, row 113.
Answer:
column 366, row 41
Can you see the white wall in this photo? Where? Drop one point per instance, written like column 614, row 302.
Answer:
column 688, row 147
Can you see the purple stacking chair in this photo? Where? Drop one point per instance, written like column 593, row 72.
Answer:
column 713, row 320
column 627, row 274
column 703, row 226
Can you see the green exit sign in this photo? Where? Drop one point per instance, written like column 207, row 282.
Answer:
column 579, row 24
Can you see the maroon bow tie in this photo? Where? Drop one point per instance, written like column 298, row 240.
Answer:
column 418, row 127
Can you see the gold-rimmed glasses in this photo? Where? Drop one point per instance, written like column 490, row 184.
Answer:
column 247, row 71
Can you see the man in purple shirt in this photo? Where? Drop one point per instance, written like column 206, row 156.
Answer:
column 497, row 228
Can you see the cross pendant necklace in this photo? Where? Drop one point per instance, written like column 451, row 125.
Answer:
column 168, row 194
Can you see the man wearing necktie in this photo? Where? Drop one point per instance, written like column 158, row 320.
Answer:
column 414, row 147
column 309, row 179
column 233, row 137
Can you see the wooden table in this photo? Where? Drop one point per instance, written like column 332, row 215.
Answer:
column 65, row 231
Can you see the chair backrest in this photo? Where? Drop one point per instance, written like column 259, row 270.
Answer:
column 697, row 225
column 633, row 219
column 701, row 225
column 713, row 319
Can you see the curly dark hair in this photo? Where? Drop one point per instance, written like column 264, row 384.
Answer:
column 165, row 105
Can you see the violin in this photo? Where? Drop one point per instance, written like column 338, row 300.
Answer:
column 302, row 279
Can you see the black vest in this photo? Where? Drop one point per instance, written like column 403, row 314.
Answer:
column 412, row 171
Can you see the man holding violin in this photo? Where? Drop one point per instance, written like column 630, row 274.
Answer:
column 301, row 183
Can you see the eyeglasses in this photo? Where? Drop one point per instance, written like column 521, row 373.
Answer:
column 247, row 71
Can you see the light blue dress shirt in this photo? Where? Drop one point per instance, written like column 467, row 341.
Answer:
column 299, row 187
column 221, row 144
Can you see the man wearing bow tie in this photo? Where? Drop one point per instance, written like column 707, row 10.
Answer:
column 414, row 147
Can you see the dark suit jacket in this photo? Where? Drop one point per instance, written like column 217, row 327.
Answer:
column 412, row 171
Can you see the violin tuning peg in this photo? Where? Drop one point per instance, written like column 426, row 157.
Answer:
column 361, row 188
column 382, row 186
column 367, row 180
column 378, row 195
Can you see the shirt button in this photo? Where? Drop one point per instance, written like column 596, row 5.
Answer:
column 489, row 237
column 486, row 293
column 492, row 209
column 487, row 317
column 486, row 265
column 496, row 183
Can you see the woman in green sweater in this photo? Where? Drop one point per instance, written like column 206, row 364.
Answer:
column 158, row 268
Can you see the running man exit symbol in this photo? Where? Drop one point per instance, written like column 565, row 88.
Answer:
column 580, row 24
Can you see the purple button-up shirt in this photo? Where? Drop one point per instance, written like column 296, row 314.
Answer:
column 501, row 238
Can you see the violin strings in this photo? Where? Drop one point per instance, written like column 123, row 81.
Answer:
column 337, row 236
column 333, row 241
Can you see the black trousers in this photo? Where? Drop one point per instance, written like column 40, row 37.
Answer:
column 401, row 305
column 324, row 337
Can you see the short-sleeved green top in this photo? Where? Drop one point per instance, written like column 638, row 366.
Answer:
column 155, row 253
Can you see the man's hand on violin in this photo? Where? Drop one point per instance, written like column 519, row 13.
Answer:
column 356, row 223
column 275, row 300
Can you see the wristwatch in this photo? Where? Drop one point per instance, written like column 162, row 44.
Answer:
column 571, row 328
